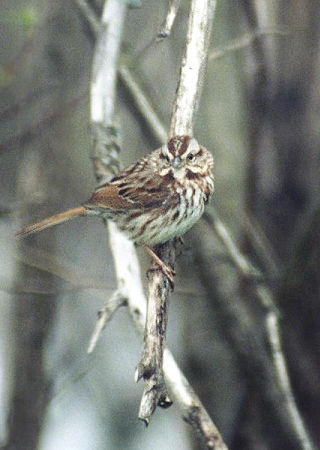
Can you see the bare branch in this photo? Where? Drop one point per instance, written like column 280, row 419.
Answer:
column 247, row 39
column 104, row 315
column 266, row 299
column 193, row 410
column 192, row 67
column 89, row 14
column 185, row 105
column 142, row 104
column 166, row 26
column 104, row 71
column 106, row 161
column 105, row 134
column 151, row 365
column 243, row 265
column 262, row 247
column 62, row 268
column 272, row 325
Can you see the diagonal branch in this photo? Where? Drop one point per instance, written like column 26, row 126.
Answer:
column 266, row 299
column 104, row 315
column 89, row 14
column 247, row 39
column 166, row 26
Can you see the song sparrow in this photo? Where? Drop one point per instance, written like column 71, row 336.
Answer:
column 159, row 197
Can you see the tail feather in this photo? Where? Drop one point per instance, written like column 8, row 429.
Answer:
column 51, row 221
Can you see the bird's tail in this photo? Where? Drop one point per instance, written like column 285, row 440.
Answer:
column 51, row 221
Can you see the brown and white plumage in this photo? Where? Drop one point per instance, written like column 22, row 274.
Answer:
column 159, row 197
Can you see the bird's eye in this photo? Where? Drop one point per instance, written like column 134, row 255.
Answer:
column 191, row 157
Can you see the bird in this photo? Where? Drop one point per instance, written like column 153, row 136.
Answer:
column 158, row 198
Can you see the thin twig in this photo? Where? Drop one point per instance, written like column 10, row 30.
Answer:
column 262, row 247
column 164, row 30
column 111, row 306
column 247, row 39
column 89, row 14
column 243, row 264
column 62, row 268
column 166, row 26
column 272, row 325
column 266, row 299
column 142, row 104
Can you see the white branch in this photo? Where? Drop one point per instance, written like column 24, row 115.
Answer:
column 167, row 24
column 105, row 57
column 265, row 296
column 272, row 325
column 192, row 67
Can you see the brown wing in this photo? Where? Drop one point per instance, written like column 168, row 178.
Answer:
column 126, row 194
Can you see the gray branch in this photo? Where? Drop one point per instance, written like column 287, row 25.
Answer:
column 265, row 296
column 90, row 15
column 247, row 39
column 192, row 67
column 151, row 365
column 142, row 104
column 165, row 29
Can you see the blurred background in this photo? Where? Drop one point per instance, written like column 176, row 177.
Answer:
column 259, row 114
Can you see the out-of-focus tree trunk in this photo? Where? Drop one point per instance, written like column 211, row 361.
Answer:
column 40, row 184
column 283, row 186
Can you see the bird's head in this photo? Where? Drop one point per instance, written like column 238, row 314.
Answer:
column 182, row 157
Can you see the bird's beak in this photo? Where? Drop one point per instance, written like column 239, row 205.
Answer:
column 176, row 163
